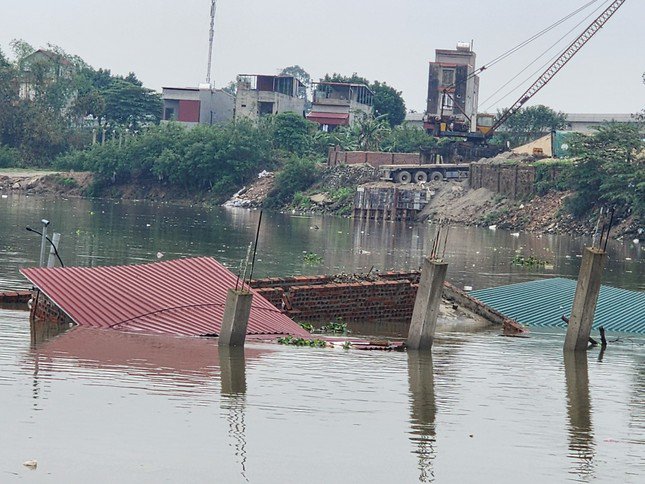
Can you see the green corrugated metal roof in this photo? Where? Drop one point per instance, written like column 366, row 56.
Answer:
column 543, row 302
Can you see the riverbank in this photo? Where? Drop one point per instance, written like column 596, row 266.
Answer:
column 452, row 202
column 44, row 182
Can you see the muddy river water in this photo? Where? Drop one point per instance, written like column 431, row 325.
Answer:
column 103, row 406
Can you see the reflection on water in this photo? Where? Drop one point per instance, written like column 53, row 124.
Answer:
column 423, row 411
column 100, row 232
column 233, row 389
column 581, row 436
column 480, row 408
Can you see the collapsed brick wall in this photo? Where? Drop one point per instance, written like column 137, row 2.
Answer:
column 318, row 298
column 46, row 311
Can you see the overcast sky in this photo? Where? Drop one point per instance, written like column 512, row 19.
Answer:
column 165, row 42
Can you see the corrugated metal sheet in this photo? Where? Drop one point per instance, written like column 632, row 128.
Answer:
column 543, row 302
column 183, row 296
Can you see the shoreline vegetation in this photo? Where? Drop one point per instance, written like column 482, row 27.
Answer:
column 209, row 165
column 100, row 135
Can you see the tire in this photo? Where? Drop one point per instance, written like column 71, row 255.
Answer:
column 420, row 176
column 436, row 176
column 403, row 177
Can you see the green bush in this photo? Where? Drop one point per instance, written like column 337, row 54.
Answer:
column 9, row 157
column 297, row 175
column 608, row 171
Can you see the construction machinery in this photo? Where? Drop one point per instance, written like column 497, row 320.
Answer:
column 486, row 125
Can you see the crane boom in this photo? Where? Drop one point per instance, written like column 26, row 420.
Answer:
column 554, row 68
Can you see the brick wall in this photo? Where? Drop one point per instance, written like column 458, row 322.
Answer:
column 318, row 298
column 374, row 158
column 44, row 310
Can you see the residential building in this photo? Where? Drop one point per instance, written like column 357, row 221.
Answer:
column 261, row 95
column 453, row 89
column 585, row 122
column 197, row 105
column 338, row 103
column 414, row 120
column 43, row 67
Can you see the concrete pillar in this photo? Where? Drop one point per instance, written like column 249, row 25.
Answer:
column 232, row 370
column 426, row 305
column 580, row 431
column 584, row 302
column 51, row 261
column 236, row 318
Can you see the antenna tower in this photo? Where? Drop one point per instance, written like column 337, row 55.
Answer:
column 211, row 34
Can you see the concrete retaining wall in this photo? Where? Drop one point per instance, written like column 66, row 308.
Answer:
column 512, row 180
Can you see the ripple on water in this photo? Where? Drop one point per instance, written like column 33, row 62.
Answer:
column 505, row 402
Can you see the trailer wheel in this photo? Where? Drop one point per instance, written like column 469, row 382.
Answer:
column 404, row 177
column 420, row 176
column 436, row 176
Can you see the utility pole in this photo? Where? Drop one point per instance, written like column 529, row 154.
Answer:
column 210, row 40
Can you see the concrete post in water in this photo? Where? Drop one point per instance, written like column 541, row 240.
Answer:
column 51, row 262
column 43, row 244
column 236, row 318
column 426, row 305
column 584, row 302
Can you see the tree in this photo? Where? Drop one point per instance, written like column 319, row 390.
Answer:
column 387, row 100
column 231, row 88
column 529, row 124
column 304, row 77
column 130, row 105
column 8, row 99
column 299, row 73
column 292, row 132
column 640, row 116
column 608, row 170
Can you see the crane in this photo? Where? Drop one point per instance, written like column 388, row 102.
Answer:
column 558, row 64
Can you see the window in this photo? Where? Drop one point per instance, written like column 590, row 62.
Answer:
column 169, row 114
column 447, row 77
column 447, row 101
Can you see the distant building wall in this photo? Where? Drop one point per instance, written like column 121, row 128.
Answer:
column 374, row 158
column 453, row 72
column 586, row 122
column 193, row 106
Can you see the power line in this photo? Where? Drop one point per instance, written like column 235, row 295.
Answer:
column 554, row 45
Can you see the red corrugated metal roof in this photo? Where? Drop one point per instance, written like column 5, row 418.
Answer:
column 328, row 118
column 183, row 296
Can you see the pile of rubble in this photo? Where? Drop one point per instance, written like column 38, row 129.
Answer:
column 253, row 196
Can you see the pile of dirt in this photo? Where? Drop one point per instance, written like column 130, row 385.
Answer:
column 344, row 176
column 253, row 195
column 454, row 202
column 510, row 157
column 45, row 182
column 325, row 196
